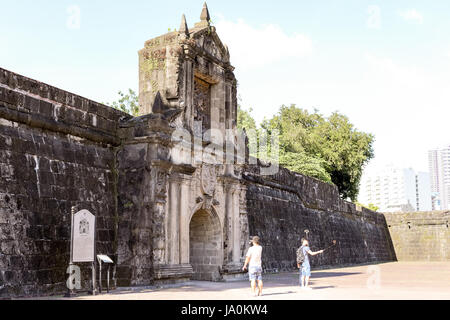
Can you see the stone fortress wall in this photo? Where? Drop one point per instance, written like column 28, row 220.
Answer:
column 281, row 207
column 57, row 150
column 420, row 236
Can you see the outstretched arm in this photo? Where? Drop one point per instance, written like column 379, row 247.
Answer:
column 315, row 253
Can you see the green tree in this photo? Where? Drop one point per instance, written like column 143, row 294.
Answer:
column 245, row 119
column 303, row 163
column 295, row 161
column 370, row 206
column 128, row 103
column 342, row 149
column 246, row 122
column 346, row 151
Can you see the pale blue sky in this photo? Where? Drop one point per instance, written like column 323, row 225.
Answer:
column 385, row 64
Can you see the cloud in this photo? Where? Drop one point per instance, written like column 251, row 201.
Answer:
column 252, row 47
column 412, row 15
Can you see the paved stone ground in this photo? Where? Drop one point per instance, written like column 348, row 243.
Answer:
column 401, row 280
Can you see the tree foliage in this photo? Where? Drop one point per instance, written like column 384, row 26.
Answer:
column 370, row 206
column 246, row 122
column 128, row 103
column 245, row 119
column 305, row 164
column 328, row 148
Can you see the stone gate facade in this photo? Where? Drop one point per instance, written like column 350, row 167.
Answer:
column 189, row 105
column 175, row 195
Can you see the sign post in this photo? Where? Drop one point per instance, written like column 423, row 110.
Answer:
column 104, row 259
column 82, row 247
column 70, row 287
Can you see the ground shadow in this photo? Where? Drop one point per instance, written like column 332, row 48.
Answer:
column 277, row 293
column 324, row 274
column 323, row 287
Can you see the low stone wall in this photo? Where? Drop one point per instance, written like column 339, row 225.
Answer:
column 56, row 150
column 282, row 206
column 420, row 236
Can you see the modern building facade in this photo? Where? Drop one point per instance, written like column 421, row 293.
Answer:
column 396, row 190
column 439, row 164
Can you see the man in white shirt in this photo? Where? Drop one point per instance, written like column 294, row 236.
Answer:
column 253, row 260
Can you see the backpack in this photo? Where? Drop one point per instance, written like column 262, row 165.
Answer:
column 300, row 255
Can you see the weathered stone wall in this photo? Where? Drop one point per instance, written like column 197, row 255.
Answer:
column 420, row 236
column 57, row 150
column 282, row 206
column 134, row 247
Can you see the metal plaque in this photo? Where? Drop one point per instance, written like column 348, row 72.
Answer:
column 104, row 258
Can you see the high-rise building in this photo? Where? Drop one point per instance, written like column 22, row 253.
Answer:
column 439, row 164
column 393, row 190
column 423, row 192
column 435, row 201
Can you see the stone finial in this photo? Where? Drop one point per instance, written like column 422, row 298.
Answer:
column 205, row 14
column 164, row 111
column 227, row 51
column 184, row 30
column 158, row 104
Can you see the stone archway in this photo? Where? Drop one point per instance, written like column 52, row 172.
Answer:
column 205, row 246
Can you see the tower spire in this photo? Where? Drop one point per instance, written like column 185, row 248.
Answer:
column 204, row 17
column 184, row 30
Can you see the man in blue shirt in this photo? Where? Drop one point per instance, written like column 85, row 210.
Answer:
column 306, row 266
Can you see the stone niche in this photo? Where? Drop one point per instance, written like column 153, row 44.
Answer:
column 202, row 103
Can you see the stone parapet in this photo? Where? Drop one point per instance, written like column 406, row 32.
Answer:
column 420, row 236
